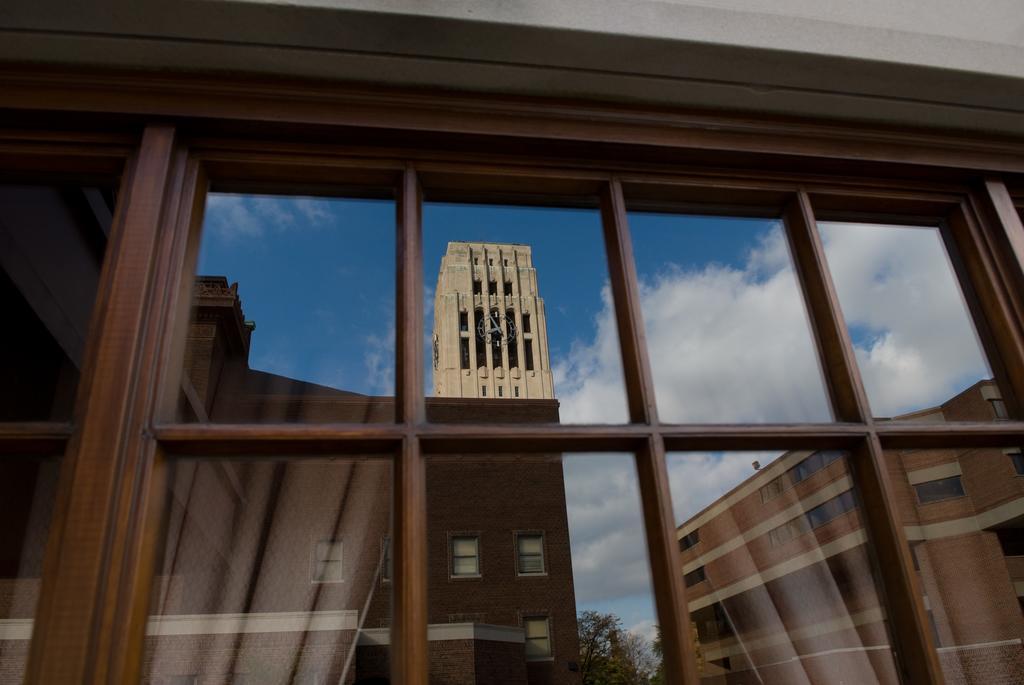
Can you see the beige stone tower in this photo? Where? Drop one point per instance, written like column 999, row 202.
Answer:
column 490, row 330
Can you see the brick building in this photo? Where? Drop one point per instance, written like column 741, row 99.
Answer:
column 780, row 582
column 280, row 572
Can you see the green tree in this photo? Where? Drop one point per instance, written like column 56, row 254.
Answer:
column 610, row 655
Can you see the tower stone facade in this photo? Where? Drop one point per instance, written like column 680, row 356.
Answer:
column 490, row 329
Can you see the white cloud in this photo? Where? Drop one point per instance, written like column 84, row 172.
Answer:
column 237, row 217
column 380, row 361
column 732, row 344
column 896, row 285
column 609, row 553
column 726, row 345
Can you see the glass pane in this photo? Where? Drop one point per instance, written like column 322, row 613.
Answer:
column 529, row 544
column 292, row 312
column 518, row 307
column 968, row 549
column 28, row 487
column 52, row 242
column 272, row 572
column 559, row 625
column 727, row 330
column 916, row 347
column 780, row 585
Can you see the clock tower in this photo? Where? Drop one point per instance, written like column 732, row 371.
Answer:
column 490, row 330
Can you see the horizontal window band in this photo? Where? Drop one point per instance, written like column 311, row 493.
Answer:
column 220, row 624
column 440, row 632
column 33, row 438
column 369, row 439
column 895, row 435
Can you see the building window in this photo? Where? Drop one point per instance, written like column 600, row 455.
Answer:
column 799, row 472
column 508, row 288
column 712, row 623
column 528, row 353
column 695, row 576
column 506, row 262
column 464, row 322
column 477, row 287
column 530, row 554
column 1018, row 462
column 327, row 561
column 466, row 556
column 538, row 637
column 481, row 345
column 492, row 288
column 513, row 346
column 812, row 464
column 812, row 518
column 526, row 322
column 495, row 343
column 483, row 391
column 464, row 352
column 516, row 390
column 501, row 391
column 938, row 490
column 689, row 540
column 490, row 262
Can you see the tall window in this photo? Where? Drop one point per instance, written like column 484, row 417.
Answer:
column 465, row 551
column 496, row 340
column 530, row 554
column 538, row 637
column 481, row 342
column 528, row 353
column 513, row 342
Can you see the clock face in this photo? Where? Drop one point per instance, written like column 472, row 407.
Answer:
column 490, row 329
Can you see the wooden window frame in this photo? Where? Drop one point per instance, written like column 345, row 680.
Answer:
column 171, row 145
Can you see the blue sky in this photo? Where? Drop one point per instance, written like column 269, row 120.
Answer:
column 725, row 322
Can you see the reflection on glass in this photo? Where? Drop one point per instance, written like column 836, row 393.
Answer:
column 270, row 572
column 727, row 330
column 967, row 540
column 537, row 568
column 775, row 560
column 292, row 312
column 915, row 343
column 519, row 307
column 27, row 490
column 52, row 241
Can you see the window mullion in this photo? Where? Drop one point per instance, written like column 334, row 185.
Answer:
column 835, row 350
column 849, row 400
column 989, row 239
column 409, row 601
column 907, row 617
column 636, row 367
column 409, row 399
column 89, row 577
column 680, row 662
column 652, row 473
